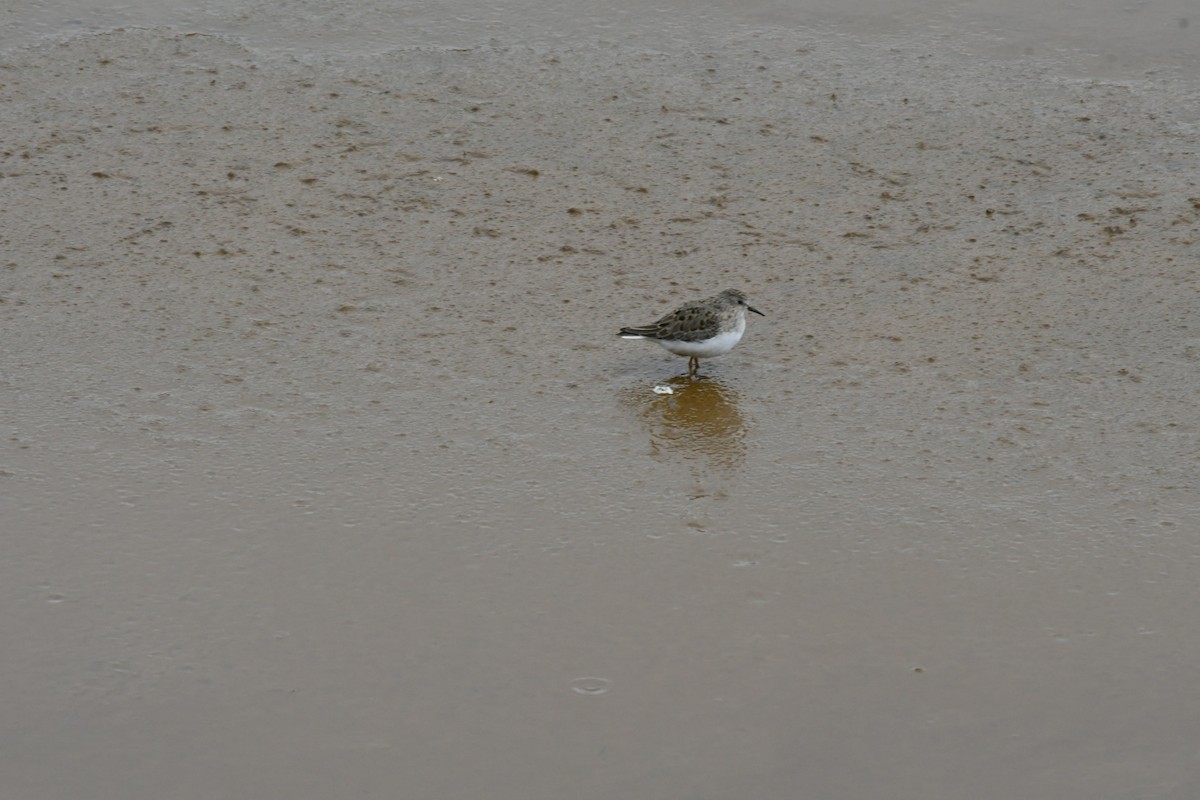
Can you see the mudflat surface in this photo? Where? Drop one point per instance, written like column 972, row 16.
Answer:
column 324, row 472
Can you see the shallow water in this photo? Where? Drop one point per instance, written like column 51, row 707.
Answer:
column 327, row 474
column 1113, row 39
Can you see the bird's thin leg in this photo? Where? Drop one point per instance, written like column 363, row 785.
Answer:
column 693, row 365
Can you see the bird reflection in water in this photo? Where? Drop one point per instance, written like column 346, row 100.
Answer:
column 698, row 419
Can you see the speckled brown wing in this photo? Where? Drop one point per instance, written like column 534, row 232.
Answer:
column 693, row 322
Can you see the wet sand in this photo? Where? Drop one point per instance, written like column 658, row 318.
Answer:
column 326, row 475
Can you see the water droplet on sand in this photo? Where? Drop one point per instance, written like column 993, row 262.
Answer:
column 590, row 685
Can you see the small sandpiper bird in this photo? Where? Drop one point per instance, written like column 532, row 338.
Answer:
column 700, row 329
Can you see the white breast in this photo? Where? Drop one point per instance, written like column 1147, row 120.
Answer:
column 717, row 345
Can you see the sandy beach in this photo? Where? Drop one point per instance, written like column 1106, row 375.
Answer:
column 326, row 475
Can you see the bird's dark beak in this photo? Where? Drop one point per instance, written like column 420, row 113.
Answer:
column 756, row 311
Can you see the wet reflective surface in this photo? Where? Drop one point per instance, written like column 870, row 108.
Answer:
column 698, row 420
column 324, row 474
